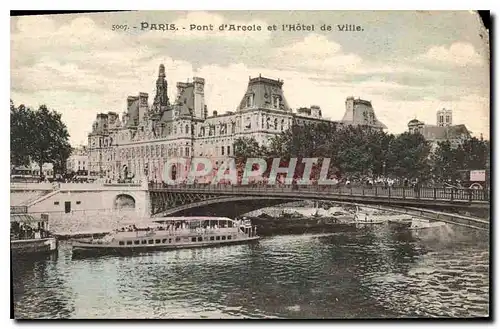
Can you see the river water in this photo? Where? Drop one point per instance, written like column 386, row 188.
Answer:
column 369, row 273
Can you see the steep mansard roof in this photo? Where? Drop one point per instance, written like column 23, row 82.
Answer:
column 264, row 92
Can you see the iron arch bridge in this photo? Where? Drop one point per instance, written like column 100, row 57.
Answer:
column 431, row 203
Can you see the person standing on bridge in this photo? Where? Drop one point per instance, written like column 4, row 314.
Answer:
column 416, row 188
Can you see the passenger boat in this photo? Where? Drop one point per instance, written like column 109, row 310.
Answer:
column 169, row 233
column 30, row 236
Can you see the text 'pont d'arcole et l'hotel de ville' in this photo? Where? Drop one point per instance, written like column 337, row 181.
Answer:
column 138, row 144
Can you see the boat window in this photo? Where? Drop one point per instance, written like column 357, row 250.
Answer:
column 229, row 237
column 229, row 224
column 223, row 237
column 211, row 238
column 158, row 241
column 144, row 242
column 136, row 242
column 121, row 243
column 177, row 239
column 200, row 238
column 169, row 240
column 151, row 241
column 193, row 239
column 164, row 241
column 217, row 238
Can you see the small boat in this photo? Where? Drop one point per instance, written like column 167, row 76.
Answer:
column 169, row 233
column 400, row 224
column 364, row 220
column 30, row 236
column 424, row 224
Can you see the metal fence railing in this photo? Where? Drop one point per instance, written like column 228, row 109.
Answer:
column 424, row 193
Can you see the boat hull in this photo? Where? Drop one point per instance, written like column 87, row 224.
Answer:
column 33, row 247
column 80, row 250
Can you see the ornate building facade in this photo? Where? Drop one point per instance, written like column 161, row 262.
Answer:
column 138, row 144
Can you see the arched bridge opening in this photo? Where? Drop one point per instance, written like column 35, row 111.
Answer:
column 124, row 201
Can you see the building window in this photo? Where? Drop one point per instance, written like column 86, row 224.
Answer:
column 78, row 202
column 211, row 238
column 200, row 239
column 193, row 239
column 136, row 242
column 56, row 203
column 130, row 242
column 217, row 238
column 144, row 242
column 187, row 151
column 228, row 150
column 177, row 239
column 157, row 241
column 164, row 241
column 121, row 243
column 223, row 237
column 187, row 129
column 222, row 150
column 229, row 237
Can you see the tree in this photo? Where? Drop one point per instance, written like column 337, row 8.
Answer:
column 473, row 153
column 21, row 134
column 245, row 147
column 51, row 144
column 449, row 162
column 409, row 156
column 445, row 164
column 38, row 136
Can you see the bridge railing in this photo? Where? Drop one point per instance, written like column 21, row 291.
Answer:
column 430, row 193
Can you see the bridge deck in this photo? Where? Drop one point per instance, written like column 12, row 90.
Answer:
column 394, row 193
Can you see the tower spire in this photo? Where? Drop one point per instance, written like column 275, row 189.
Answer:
column 161, row 73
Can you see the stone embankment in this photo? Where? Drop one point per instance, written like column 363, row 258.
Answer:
column 88, row 223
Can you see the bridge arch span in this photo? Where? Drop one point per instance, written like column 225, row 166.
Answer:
column 234, row 206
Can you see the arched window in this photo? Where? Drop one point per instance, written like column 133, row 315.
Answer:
column 282, row 124
column 187, row 129
column 276, row 124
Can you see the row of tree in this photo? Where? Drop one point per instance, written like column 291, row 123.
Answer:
column 38, row 136
column 357, row 151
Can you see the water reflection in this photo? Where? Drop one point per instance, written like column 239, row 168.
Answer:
column 367, row 273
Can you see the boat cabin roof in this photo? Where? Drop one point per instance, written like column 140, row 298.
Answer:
column 190, row 219
column 162, row 220
column 25, row 218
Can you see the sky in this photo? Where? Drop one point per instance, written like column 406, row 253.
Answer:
column 408, row 64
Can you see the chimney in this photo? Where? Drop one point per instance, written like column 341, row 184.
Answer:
column 215, row 113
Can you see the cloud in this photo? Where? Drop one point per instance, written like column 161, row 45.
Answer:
column 80, row 68
column 458, row 54
column 316, row 52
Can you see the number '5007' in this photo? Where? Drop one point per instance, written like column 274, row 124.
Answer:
column 119, row 27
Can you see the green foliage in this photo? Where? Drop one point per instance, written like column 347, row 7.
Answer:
column 452, row 163
column 38, row 136
column 409, row 156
